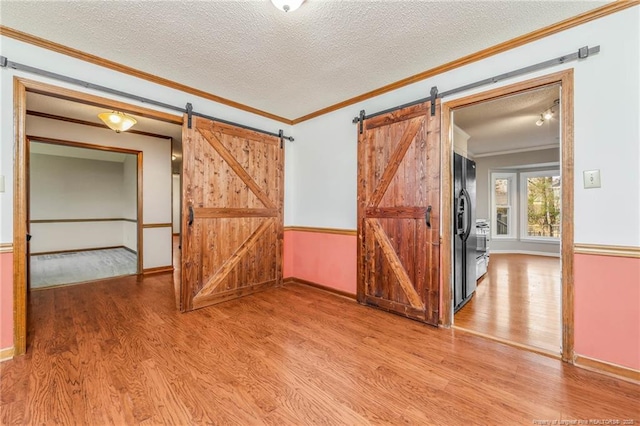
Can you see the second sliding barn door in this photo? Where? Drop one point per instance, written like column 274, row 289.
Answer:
column 398, row 212
column 232, row 213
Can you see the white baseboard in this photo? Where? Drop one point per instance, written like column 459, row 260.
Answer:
column 6, row 354
column 533, row 253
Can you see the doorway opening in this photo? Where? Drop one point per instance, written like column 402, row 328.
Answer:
column 83, row 212
column 511, row 227
column 59, row 116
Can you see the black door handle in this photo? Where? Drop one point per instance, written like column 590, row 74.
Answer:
column 190, row 215
column 28, row 237
column 427, row 217
column 467, row 230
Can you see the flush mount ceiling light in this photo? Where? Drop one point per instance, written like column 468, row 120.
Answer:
column 118, row 121
column 287, row 5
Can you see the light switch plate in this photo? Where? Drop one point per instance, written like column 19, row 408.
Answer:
column 591, row 179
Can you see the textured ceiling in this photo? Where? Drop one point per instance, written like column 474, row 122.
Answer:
column 509, row 123
column 289, row 64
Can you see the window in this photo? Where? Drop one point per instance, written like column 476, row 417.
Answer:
column 540, row 201
column 503, row 205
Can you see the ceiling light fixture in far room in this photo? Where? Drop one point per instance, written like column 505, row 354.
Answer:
column 287, row 5
column 118, row 121
column 547, row 114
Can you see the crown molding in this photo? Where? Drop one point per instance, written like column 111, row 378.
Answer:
column 465, row 60
column 482, row 54
column 78, row 54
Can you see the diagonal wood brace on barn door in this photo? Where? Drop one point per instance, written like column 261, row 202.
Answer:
column 236, row 167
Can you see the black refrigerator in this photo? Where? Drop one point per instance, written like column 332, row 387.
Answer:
column 464, row 232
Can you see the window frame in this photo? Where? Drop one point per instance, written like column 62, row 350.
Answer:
column 524, row 219
column 512, row 218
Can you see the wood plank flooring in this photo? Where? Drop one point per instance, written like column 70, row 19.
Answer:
column 518, row 300
column 118, row 352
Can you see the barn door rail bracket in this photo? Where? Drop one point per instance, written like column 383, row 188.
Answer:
column 6, row 63
column 189, row 109
column 582, row 53
column 360, row 119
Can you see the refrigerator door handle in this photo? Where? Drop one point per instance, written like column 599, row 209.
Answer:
column 460, row 214
column 467, row 230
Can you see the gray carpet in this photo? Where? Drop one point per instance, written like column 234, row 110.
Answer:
column 67, row 268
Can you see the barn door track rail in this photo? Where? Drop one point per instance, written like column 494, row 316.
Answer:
column 6, row 63
column 582, row 53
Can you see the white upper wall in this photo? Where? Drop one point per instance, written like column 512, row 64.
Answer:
column 606, row 115
column 74, row 188
column 27, row 54
column 320, row 166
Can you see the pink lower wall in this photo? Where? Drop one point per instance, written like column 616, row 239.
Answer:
column 6, row 300
column 327, row 259
column 607, row 291
column 607, row 309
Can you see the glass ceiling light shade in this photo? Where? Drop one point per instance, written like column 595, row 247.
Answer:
column 118, row 121
column 287, row 5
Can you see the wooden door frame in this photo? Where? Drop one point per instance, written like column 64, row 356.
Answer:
column 565, row 80
column 88, row 145
column 20, row 191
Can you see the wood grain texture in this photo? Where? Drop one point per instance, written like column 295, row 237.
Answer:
column 140, row 210
column 446, row 260
column 233, row 184
column 74, row 53
column 336, row 231
column 607, row 250
column 76, row 144
column 398, row 212
column 211, row 213
column 567, row 236
column 157, row 225
column 396, row 266
column 158, row 270
column 20, row 217
column 565, row 80
column 91, row 123
column 519, row 300
column 119, row 353
column 591, row 15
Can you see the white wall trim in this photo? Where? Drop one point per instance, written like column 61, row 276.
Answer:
column 533, row 253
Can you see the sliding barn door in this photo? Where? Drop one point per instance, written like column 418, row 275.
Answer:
column 232, row 213
column 398, row 212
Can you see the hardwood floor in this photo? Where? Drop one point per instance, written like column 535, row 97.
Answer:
column 519, row 300
column 119, row 353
